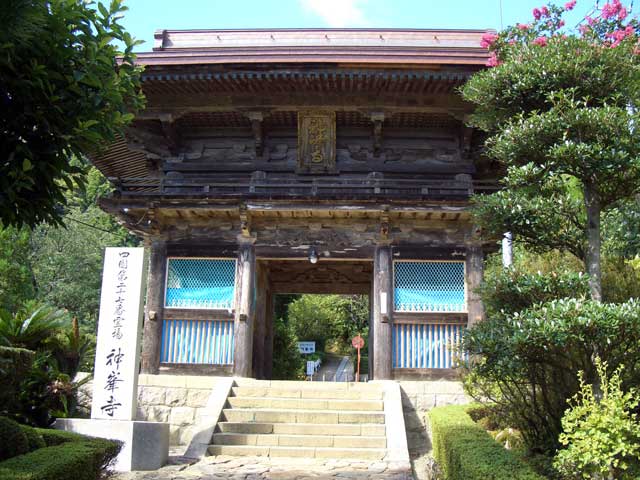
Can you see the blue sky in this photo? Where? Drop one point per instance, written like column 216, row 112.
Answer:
column 145, row 16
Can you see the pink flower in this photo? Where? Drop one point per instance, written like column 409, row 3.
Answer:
column 537, row 13
column 570, row 5
column 561, row 23
column 522, row 26
column 622, row 14
column 544, row 11
column 612, row 9
column 584, row 29
column 540, row 41
column 493, row 60
column 589, row 20
column 488, row 39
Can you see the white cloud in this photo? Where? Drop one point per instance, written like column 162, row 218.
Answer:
column 338, row 13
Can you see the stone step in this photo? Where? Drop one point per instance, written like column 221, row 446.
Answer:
column 305, row 404
column 307, row 452
column 315, row 393
column 298, row 385
column 303, row 428
column 300, row 416
column 326, row 440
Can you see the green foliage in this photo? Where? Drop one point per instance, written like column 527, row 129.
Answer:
column 600, row 431
column 13, row 441
column 288, row 363
column 556, row 108
column 464, row 450
column 16, row 278
column 15, row 363
column 53, row 437
column 511, row 290
column 45, row 394
column 34, row 438
column 322, row 318
column 64, row 95
column 527, row 362
column 546, row 214
column 621, row 230
column 31, row 326
column 75, row 458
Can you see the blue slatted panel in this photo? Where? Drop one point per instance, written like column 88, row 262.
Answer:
column 197, row 342
column 423, row 286
column 425, row 345
column 200, row 283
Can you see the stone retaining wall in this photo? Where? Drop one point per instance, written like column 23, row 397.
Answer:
column 420, row 396
column 177, row 400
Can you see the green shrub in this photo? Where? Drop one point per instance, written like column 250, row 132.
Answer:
column 465, row 451
column 14, row 365
column 528, row 362
column 13, row 441
column 83, row 458
column 602, row 435
column 53, row 437
column 511, row 290
column 34, row 438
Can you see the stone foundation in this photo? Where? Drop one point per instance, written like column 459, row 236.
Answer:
column 418, row 397
column 177, row 400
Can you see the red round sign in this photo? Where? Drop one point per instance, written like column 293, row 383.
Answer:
column 357, row 341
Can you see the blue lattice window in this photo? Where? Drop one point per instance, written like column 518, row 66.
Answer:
column 200, row 283
column 429, row 286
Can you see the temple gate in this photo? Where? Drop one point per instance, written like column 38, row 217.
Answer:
column 303, row 161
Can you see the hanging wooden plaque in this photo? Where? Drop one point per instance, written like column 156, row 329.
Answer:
column 316, row 142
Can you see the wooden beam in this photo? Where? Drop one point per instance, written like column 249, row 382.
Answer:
column 152, row 330
column 430, row 318
column 245, row 311
column 268, row 338
column 260, row 326
column 197, row 314
column 382, row 312
column 474, row 273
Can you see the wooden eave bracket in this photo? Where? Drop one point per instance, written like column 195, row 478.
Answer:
column 377, row 118
column 256, row 119
column 384, row 226
column 245, row 222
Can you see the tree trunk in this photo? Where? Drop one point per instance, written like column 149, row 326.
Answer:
column 592, row 203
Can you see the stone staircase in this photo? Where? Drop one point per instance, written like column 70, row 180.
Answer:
column 302, row 419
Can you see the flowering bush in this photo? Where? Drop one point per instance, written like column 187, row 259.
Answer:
column 556, row 107
column 610, row 27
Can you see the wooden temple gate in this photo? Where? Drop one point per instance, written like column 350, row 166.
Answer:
column 288, row 161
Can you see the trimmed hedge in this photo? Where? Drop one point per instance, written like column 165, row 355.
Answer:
column 464, row 450
column 13, row 440
column 33, row 437
column 68, row 455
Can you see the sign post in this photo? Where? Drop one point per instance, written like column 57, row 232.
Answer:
column 358, row 342
column 115, row 380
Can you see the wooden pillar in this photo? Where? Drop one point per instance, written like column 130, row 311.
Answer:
column 259, row 330
column 372, row 333
column 153, row 312
column 268, row 338
column 474, row 272
column 244, row 311
column 382, row 312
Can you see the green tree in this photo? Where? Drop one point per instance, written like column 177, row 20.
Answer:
column 16, row 277
column 66, row 91
column 557, row 108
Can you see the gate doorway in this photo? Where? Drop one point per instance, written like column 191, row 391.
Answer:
column 281, row 282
